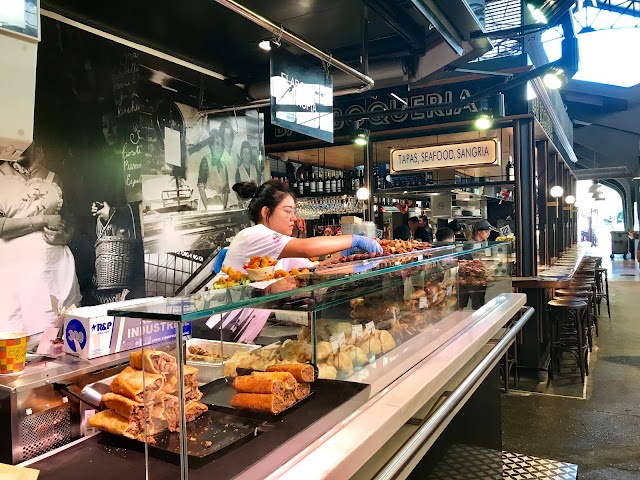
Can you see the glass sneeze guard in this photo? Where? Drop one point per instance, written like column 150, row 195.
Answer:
column 211, row 302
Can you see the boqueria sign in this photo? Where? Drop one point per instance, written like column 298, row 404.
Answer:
column 464, row 154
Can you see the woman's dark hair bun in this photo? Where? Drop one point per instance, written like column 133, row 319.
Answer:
column 245, row 190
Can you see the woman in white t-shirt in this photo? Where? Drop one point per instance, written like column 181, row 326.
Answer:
column 273, row 211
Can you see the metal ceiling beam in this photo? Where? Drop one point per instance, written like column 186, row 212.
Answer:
column 397, row 18
column 282, row 33
column 435, row 16
column 602, row 173
column 629, row 7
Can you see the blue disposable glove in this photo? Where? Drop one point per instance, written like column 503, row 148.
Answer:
column 360, row 243
column 217, row 265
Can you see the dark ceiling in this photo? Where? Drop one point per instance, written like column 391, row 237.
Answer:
column 209, row 35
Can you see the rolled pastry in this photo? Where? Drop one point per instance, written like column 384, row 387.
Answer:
column 289, row 398
column 154, row 361
column 287, row 379
column 302, row 390
column 110, row 421
column 327, row 371
column 258, row 402
column 255, row 384
column 137, row 385
column 302, row 372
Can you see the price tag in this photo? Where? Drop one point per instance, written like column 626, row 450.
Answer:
column 420, row 257
column 356, row 331
column 449, row 290
column 337, row 341
column 505, row 231
column 422, row 303
column 370, row 327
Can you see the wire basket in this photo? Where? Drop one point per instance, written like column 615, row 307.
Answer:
column 115, row 255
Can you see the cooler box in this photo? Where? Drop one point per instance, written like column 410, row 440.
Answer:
column 90, row 333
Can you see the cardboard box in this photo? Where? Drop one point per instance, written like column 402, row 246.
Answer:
column 350, row 219
column 90, row 333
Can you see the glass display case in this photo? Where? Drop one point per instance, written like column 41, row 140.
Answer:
column 327, row 340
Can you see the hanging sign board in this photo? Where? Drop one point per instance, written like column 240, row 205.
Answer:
column 454, row 155
column 301, row 96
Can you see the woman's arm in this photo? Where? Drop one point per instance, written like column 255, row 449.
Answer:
column 17, row 227
column 203, row 196
column 316, row 246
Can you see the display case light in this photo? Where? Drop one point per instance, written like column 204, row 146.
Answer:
column 556, row 191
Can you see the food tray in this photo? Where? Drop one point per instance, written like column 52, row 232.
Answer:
column 209, row 371
column 225, row 432
column 217, row 396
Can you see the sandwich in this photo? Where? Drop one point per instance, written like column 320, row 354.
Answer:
column 154, row 361
column 137, row 385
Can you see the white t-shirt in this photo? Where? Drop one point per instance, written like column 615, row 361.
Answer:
column 245, row 325
column 260, row 241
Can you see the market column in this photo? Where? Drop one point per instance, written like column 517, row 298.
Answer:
column 552, row 251
column 524, row 161
column 542, row 154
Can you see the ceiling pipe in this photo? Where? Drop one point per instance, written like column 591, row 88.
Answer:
column 281, row 33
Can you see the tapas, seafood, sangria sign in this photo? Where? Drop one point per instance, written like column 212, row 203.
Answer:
column 465, row 154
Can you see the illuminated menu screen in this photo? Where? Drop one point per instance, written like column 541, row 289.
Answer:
column 20, row 17
column 301, row 96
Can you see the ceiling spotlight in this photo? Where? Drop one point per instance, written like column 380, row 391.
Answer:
column 484, row 120
column 570, row 199
column 361, row 135
column 595, row 187
column 556, row 191
column 552, row 81
column 535, row 7
column 598, row 196
column 265, row 45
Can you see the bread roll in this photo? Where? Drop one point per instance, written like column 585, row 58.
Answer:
column 371, row 346
column 323, row 350
column 302, row 372
column 258, row 402
column 254, row 384
column 387, row 341
column 327, row 372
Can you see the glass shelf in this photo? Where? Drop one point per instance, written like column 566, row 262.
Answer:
column 310, row 287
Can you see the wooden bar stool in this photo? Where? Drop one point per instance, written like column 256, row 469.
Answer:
column 569, row 333
column 602, row 286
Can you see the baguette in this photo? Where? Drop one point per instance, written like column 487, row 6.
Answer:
column 286, row 378
column 302, row 372
column 258, row 402
column 254, row 384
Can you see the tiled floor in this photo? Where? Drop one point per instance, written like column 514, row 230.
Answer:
column 464, row 462
column 602, row 433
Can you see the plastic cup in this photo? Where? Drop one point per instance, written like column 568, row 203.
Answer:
column 13, row 352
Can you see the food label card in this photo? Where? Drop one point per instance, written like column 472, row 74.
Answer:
column 356, row 331
column 370, row 327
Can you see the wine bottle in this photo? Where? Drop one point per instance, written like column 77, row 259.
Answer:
column 312, row 184
column 307, row 185
column 294, row 185
column 327, row 184
column 320, row 186
column 301, row 186
column 511, row 171
column 334, row 185
column 339, row 183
